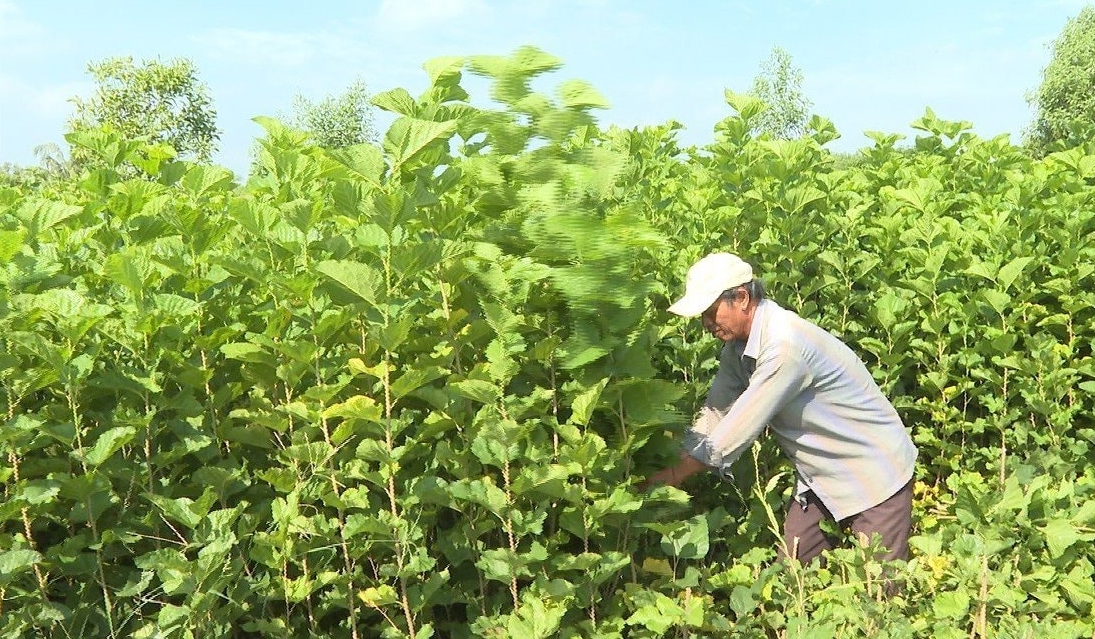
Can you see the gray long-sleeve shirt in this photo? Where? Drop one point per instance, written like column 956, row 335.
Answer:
column 843, row 436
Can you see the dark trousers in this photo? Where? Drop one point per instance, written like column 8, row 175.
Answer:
column 892, row 520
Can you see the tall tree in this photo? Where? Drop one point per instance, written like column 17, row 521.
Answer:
column 779, row 85
column 1065, row 102
column 163, row 101
column 338, row 120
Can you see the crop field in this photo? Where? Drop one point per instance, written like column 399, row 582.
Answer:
column 409, row 389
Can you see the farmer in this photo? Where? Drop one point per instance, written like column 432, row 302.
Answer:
column 853, row 459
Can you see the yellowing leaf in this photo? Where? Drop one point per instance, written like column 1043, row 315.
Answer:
column 657, row 567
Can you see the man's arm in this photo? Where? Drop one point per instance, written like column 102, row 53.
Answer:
column 780, row 376
column 675, row 475
column 730, row 380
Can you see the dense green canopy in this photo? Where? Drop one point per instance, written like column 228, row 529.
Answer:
column 408, row 389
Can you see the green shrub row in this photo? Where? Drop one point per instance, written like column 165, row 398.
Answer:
column 407, row 390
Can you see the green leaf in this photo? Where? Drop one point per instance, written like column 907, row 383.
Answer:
column 175, row 305
column 357, row 407
column 1011, row 271
column 622, row 500
column 536, row 619
column 11, row 242
column 578, row 94
column 178, row 510
column 127, row 270
column 480, row 491
column 498, row 564
column 41, row 214
column 502, row 564
column 360, row 279
column 171, row 617
column 364, row 161
column 314, row 453
column 578, row 353
column 512, row 74
column 407, row 137
column 551, row 480
column 1060, row 534
column 415, row 378
column 1085, row 516
column 392, row 336
column 41, row 491
column 14, row 562
column 1014, row 498
column 248, row 352
column 998, row 300
column 478, row 390
column 742, row 601
column 135, row 588
column 443, row 67
column 108, row 443
column 685, row 539
column 584, row 404
column 745, row 105
column 1079, row 585
column 491, row 448
column 502, row 365
column 951, row 605
column 655, row 612
column 255, row 217
column 203, row 180
column 378, row 596
column 397, row 100
column 981, row 268
column 921, row 196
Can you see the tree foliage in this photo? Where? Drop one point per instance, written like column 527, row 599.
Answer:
column 164, row 102
column 337, row 121
column 779, row 85
column 1065, row 101
column 407, row 389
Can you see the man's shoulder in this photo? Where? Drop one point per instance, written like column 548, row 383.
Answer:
column 778, row 322
column 787, row 321
column 790, row 333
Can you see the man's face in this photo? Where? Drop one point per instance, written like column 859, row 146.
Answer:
column 727, row 319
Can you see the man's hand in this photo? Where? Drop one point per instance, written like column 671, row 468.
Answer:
column 674, row 475
column 664, row 476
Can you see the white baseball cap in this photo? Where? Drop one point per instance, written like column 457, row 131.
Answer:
column 707, row 279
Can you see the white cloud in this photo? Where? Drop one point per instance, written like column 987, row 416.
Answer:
column 269, row 48
column 1074, row 5
column 47, row 102
column 34, row 114
column 946, row 70
column 13, row 24
column 412, row 15
column 22, row 36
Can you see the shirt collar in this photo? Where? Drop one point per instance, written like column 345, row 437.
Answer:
column 760, row 320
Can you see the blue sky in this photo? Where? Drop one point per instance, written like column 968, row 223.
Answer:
column 868, row 65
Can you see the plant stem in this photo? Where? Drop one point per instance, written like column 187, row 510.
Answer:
column 108, row 605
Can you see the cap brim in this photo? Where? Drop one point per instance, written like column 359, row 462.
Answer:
column 693, row 305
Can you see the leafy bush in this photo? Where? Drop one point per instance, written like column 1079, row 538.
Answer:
column 408, row 390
